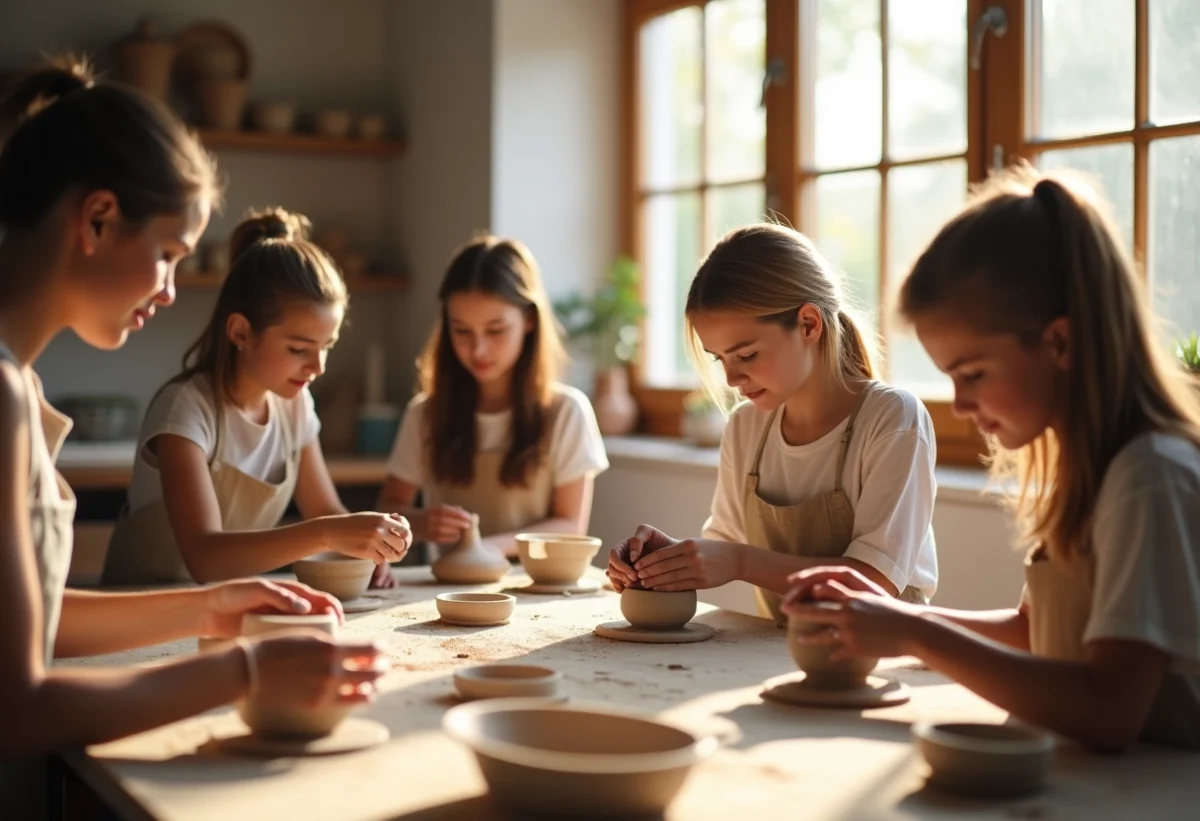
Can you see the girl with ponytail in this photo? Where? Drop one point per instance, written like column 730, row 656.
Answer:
column 821, row 464
column 1029, row 302
column 231, row 440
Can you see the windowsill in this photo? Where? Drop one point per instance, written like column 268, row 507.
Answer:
column 957, row 484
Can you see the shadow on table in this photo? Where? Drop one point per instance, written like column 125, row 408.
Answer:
column 766, row 721
column 480, row 808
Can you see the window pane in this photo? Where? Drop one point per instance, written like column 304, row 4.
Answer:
column 671, row 227
column 843, row 123
column 733, row 206
column 1111, row 168
column 846, row 211
column 927, row 78
column 671, row 109
column 735, row 51
column 939, row 189
column 1174, row 60
column 1087, row 67
column 1175, row 231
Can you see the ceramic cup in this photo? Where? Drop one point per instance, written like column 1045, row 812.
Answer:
column 343, row 577
column 556, row 558
column 655, row 610
column 271, row 720
column 814, row 661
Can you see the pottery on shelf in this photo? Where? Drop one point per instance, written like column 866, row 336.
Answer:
column 658, row 610
column 483, row 609
column 222, row 103
column 274, row 720
column 371, row 127
column 616, row 410
column 274, row 118
column 819, row 671
column 556, row 558
column 508, row 681
column 142, row 59
column 986, row 760
column 343, row 577
column 471, row 561
column 538, row 757
column 334, row 122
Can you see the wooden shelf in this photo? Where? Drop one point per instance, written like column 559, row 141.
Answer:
column 367, row 283
column 300, row 144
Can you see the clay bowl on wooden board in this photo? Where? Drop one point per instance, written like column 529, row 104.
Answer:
column 987, row 760
column 275, row 721
column 343, row 577
column 475, row 608
column 655, row 610
column 539, row 757
column 819, row 671
column 556, row 558
column 508, row 681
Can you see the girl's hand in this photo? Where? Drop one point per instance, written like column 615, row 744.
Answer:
column 382, row 578
column 690, row 564
column 223, row 605
column 866, row 621
column 380, row 537
column 444, row 524
column 307, row 668
column 621, row 558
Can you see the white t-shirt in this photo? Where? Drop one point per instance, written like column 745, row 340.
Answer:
column 888, row 479
column 1146, row 544
column 576, row 447
column 188, row 409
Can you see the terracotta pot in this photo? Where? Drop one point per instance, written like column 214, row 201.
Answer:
column 142, row 59
column 222, row 103
column 371, row 127
column 470, row 562
column 616, row 410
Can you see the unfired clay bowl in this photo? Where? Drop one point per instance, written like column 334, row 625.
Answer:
column 508, row 681
column 556, row 558
column 819, row 671
column 272, row 720
column 475, row 608
column 655, row 610
column 985, row 759
column 574, row 760
column 343, row 577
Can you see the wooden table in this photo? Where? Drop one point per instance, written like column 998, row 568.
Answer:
column 776, row 762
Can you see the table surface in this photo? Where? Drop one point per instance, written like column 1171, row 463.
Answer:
column 774, row 762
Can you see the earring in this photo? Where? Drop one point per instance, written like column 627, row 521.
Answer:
column 239, row 348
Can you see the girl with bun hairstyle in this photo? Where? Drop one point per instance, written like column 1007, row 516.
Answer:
column 102, row 191
column 231, row 440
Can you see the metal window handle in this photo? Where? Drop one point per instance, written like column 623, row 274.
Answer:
column 994, row 19
column 773, row 75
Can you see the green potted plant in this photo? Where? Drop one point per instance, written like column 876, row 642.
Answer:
column 606, row 323
column 1188, row 351
column 703, row 421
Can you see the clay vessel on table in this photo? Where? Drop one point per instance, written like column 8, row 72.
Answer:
column 470, row 562
column 814, row 661
column 556, row 558
column 508, row 681
column 343, row 577
column 562, row 761
column 273, row 720
column 989, row 760
column 655, row 610
column 475, row 608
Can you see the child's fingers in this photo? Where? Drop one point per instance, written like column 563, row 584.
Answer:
column 672, row 577
column 658, row 556
column 656, row 570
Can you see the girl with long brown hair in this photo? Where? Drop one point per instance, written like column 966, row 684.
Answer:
column 492, row 431
column 821, row 464
column 1029, row 302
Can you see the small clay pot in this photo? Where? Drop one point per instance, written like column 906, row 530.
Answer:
column 475, row 608
column 556, row 558
column 470, row 562
column 334, row 122
column 814, row 661
column 508, row 681
column 655, row 610
column 343, row 577
column 371, row 127
column 222, row 103
column 985, row 760
column 274, row 118
column 275, row 721
column 143, row 59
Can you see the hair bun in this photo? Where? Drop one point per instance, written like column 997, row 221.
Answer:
column 269, row 223
column 41, row 86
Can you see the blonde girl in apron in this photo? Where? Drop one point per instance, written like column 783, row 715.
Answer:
column 227, row 444
column 1031, row 304
column 492, row 432
column 102, row 191
column 820, row 464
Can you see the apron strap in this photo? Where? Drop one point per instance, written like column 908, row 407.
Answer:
column 762, row 443
column 841, row 462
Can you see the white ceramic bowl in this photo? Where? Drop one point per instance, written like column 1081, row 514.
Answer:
column 508, row 681
column 343, row 577
column 475, row 608
column 561, row 760
column 556, row 558
column 990, row 760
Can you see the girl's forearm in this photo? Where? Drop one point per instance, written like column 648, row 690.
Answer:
column 95, row 623
column 769, row 570
column 225, row 555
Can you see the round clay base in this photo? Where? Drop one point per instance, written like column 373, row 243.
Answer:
column 876, row 692
column 363, row 604
column 624, row 631
column 352, row 734
column 458, row 623
column 579, row 588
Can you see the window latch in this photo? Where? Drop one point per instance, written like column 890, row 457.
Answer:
column 995, row 20
column 772, row 76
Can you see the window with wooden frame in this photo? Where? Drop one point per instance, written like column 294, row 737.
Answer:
column 874, row 116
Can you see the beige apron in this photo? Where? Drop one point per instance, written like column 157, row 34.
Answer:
column 821, row 527
column 143, row 548
column 1058, row 598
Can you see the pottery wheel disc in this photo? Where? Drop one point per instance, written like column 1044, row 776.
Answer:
column 624, row 631
column 352, row 734
column 876, row 692
column 579, row 588
column 364, row 604
column 458, row 623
